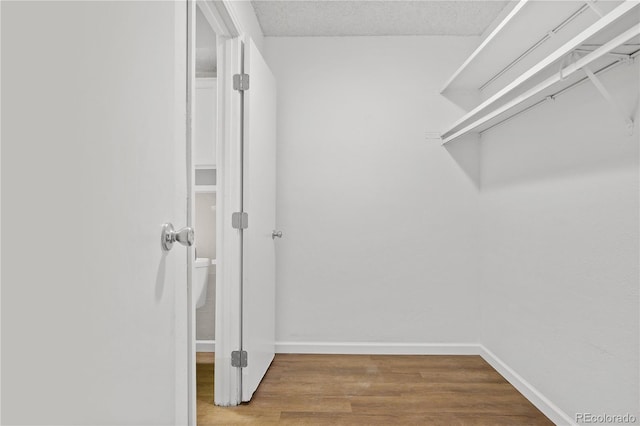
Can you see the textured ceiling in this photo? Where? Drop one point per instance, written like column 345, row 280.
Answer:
column 375, row 18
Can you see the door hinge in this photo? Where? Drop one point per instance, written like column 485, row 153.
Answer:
column 241, row 82
column 239, row 220
column 239, row 359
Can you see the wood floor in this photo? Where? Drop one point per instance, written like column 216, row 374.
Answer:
column 373, row 390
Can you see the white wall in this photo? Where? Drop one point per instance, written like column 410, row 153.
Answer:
column 560, row 248
column 380, row 225
column 387, row 239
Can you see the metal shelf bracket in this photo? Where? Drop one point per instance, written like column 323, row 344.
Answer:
column 619, row 109
column 594, row 7
column 625, row 57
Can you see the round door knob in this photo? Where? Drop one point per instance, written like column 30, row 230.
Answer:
column 185, row 236
column 277, row 234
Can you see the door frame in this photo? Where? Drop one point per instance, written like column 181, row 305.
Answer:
column 224, row 20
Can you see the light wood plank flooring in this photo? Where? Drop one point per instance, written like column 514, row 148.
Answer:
column 373, row 390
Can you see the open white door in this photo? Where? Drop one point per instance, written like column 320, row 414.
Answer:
column 259, row 193
column 94, row 326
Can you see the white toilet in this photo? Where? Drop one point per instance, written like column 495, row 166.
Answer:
column 200, row 278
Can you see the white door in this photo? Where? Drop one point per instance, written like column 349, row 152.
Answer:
column 94, row 313
column 259, row 193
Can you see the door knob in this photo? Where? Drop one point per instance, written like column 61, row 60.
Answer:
column 275, row 234
column 169, row 236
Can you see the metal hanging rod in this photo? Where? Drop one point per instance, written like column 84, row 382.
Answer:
column 616, row 54
column 546, row 37
column 560, row 92
column 598, row 45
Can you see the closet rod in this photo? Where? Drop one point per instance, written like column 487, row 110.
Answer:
column 562, row 91
column 526, row 53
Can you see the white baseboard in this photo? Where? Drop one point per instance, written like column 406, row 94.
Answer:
column 374, row 348
column 543, row 404
column 205, row 345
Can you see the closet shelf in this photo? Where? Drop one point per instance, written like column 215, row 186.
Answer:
column 205, row 166
column 619, row 30
column 530, row 31
column 201, row 189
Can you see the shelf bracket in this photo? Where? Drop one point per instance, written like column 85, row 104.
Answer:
column 622, row 56
column 627, row 117
column 570, row 58
column 594, row 7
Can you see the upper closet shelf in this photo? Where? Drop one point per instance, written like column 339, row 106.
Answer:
column 204, row 189
column 530, row 31
column 611, row 39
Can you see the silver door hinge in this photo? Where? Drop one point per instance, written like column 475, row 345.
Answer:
column 239, row 359
column 241, row 82
column 239, row 220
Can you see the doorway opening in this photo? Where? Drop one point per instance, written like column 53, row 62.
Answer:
column 203, row 205
column 232, row 172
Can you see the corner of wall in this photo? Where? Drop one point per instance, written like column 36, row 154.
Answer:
column 548, row 408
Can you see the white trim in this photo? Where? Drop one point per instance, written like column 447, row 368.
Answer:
column 205, row 345
column 205, row 166
column 1, row 221
column 552, row 411
column 205, row 189
column 228, row 27
column 227, row 378
column 223, row 20
column 220, row 17
column 190, row 112
column 227, row 11
column 206, row 82
column 375, row 348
